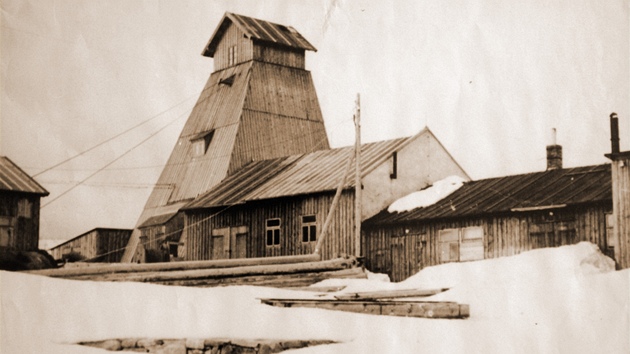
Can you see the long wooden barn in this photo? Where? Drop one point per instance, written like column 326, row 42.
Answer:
column 100, row 245
column 278, row 207
column 495, row 217
column 259, row 103
column 20, row 198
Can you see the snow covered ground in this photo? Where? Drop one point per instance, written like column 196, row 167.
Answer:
column 562, row 300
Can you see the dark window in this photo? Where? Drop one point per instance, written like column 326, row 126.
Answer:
column 394, row 173
column 273, row 232
column 232, row 55
column 309, row 228
column 201, row 142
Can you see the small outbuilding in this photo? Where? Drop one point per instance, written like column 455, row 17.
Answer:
column 19, row 207
column 103, row 245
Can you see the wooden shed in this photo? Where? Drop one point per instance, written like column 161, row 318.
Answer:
column 103, row 245
column 19, row 207
column 259, row 103
column 492, row 218
column 277, row 207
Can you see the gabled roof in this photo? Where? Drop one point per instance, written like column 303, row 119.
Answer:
column 260, row 30
column 519, row 193
column 315, row 172
column 13, row 179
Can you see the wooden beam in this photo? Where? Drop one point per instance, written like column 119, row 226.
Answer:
column 390, row 294
column 421, row 309
column 204, row 274
column 290, row 281
column 174, row 266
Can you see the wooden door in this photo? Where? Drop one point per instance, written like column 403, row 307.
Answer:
column 406, row 256
column 221, row 243
column 238, row 242
column 6, row 231
column 229, row 242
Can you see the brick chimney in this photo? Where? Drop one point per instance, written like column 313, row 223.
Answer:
column 554, row 153
column 614, row 133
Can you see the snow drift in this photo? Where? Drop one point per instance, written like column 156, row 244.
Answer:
column 561, row 300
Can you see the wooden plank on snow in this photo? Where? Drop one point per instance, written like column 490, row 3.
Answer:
column 390, row 294
column 420, row 309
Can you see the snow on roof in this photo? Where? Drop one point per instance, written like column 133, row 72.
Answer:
column 428, row 196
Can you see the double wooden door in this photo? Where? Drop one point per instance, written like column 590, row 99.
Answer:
column 229, row 242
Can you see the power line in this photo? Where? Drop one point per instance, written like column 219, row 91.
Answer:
column 110, row 163
column 112, row 138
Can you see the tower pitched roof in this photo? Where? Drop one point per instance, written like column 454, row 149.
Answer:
column 264, row 31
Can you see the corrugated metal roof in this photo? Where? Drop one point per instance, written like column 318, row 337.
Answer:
column 554, row 188
column 157, row 220
column 260, row 30
column 14, row 179
column 318, row 171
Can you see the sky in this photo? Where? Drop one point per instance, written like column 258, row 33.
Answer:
column 490, row 78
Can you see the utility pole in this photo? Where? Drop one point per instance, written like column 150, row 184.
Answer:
column 357, row 179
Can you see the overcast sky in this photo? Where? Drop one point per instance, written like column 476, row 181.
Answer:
column 490, row 78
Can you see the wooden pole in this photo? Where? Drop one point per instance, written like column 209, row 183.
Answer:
column 342, row 183
column 357, row 179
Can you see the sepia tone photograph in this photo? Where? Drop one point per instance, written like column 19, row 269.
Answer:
column 321, row 176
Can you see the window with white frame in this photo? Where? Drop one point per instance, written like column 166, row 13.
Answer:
column 273, row 232
column 309, row 228
column 461, row 245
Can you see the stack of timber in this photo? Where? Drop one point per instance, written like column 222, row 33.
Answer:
column 281, row 272
column 383, row 303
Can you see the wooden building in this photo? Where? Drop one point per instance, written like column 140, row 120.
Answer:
column 492, row 218
column 258, row 104
column 277, row 207
column 98, row 245
column 620, row 167
column 19, row 207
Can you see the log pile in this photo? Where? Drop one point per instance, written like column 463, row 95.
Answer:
column 283, row 272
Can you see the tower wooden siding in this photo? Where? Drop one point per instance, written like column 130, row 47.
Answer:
column 233, row 37
column 248, row 49
column 200, row 226
column 289, row 57
column 402, row 250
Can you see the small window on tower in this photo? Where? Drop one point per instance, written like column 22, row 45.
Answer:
column 232, row 55
column 201, row 142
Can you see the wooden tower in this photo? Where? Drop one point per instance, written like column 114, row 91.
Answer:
column 258, row 104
